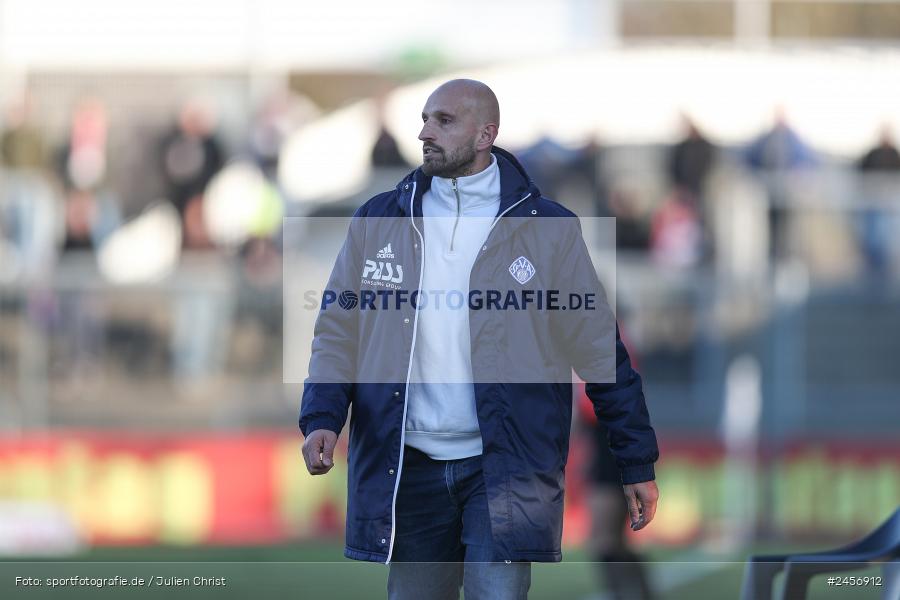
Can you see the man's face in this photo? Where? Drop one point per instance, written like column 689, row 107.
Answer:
column 448, row 136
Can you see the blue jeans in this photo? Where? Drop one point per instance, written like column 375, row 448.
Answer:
column 443, row 537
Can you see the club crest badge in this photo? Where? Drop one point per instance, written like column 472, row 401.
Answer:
column 522, row 270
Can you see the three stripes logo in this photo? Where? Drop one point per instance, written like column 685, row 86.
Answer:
column 385, row 252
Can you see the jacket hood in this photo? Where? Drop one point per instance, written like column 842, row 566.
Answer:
column 515, row 183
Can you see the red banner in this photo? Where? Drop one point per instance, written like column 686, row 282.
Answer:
column 253, row 488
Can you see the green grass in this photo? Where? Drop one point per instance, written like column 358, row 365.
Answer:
column 320, row 571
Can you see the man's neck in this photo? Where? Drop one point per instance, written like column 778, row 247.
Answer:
column 481, row 162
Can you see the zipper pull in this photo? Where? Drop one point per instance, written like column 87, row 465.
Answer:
column 458, row 212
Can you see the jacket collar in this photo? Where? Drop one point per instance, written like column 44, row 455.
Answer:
column 515, row 184
column 471, row 193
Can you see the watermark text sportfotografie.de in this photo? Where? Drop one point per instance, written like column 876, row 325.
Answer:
column 396, row 299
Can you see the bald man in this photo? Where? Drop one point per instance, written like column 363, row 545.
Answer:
column 461, row 119
column 462, row 402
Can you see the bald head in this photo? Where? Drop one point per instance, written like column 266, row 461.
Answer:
column 461, row 119
column 473, row 96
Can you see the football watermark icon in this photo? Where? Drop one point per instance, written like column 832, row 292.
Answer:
column 348, row 300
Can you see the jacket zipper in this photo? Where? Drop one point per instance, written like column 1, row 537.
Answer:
column 458, row 209
column 412, row 218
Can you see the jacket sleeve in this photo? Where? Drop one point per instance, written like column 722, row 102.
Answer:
column 590, row 340
column 328, row 390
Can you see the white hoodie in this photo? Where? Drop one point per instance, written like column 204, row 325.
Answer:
column 441, row 420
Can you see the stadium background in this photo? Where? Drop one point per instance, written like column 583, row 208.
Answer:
column 151, row 154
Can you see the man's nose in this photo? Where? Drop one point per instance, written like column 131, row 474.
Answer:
column 426, row 133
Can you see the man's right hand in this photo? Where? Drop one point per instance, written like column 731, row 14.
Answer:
column 318, row 451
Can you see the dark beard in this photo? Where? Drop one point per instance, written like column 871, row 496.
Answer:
column 457, row 164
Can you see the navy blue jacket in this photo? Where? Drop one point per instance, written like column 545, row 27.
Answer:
column 525, row 424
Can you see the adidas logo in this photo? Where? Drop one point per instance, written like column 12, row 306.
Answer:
column 385, row 252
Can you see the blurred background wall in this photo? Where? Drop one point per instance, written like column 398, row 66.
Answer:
column 150, row 153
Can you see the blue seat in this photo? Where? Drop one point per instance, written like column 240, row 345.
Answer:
column 883, row 544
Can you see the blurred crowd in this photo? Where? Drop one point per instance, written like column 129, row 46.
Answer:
column 75, row 212
column 73, row 193
column 189, row 193
column 675, row 228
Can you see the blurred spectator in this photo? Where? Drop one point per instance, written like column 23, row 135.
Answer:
column 620, row 567
column 587, row 165
column 549, row 163
column 675, row 235
column 690, row 161
column 82, row 160
column 878, row 165
column 386, row 152
column 774, row 155
column 90, row 213
column 632, row 217
column 583, row 188
column 27, row 204
column 281, row 114
column 80, row 215
column 22, row 146
column 883, row 157
column 780, row 148
column 191, row 155
column 568, row 175
column 90, row 209
column 258, row 318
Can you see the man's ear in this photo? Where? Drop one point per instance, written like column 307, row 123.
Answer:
column 487, row 136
